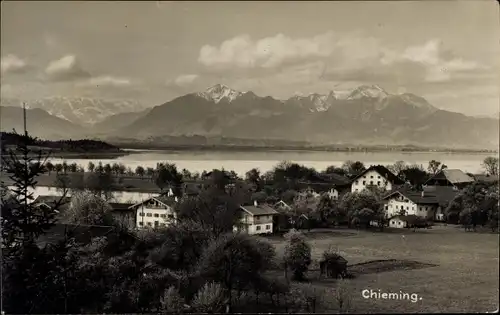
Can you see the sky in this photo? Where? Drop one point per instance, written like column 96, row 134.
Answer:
column 152, row 52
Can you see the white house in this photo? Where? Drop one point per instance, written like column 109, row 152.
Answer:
column 155, row 212
column 420, row 204
column 378, row 176
column 256, row 219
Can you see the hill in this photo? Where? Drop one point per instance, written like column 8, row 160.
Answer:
column 39, row 123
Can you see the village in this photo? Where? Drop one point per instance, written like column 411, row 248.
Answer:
column 143, row 203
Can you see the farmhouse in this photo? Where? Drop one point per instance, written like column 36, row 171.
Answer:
column 420, row 204
column 256, row 219
column 450, row 177
column 155, row 212
column 378, row 176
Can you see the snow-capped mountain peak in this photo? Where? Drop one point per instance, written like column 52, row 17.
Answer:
column 314, row 102
column 368, row 91
column 219, row 92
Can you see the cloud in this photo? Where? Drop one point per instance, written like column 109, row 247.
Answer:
column 347, row 57
column 244, row 52
column 12, row 64
column 186, row 79
column 108, row 81
column 65, row 69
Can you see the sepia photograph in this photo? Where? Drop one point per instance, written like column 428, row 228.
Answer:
column 163, row 157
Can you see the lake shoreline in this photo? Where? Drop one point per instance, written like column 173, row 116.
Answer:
column 219, row 148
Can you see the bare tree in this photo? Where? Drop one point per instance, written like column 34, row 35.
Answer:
column 490, row 165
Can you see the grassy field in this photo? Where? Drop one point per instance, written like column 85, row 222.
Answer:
column 458, row 271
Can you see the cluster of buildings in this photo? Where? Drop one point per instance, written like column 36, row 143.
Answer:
column 148, row 208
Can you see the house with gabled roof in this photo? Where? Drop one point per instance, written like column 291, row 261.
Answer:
column 155, row 212
column 378, row 176
column 256, row 219
column 420, row 204
column 450, row 177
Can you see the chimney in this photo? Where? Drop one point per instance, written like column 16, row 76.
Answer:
column 255, row 203
column 176, row 199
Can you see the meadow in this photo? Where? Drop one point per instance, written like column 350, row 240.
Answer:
column 451, row 270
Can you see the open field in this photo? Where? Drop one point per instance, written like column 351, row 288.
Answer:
column 455, row 271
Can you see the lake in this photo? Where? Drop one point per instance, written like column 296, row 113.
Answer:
column 240, row 162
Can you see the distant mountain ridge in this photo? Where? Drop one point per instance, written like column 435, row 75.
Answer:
column 368, row 114
column 79, row 110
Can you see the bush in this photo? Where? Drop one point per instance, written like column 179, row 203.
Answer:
column 209, row 299
column 171, row 301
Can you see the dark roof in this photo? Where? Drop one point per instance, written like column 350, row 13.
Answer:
column 116, row 206
column 82, row 233
column 444, row 194
column 454, row 176
column 416, row 197
column 384, row 172
column 336, row 179
column 52, row 199
column 486, row 178
column 260, row 209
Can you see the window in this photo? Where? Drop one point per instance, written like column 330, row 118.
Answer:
column 356, row 190
column 157, row 223
column 257, row 228
column 371, row 182
column 141, row 214
column 149, row 224
column 378, row 183
column 163, row 215
column 378, row 176
column 407, row 208
column 268, row 226
column 386, row 207
column 420, row 208
column 356, row 182
column 399, row 223
column 371, row 176
column 156, row 215
column 141, row 223
column 148, row 214
column 364, row 182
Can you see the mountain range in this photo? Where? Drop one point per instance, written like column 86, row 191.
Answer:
column 368, row 115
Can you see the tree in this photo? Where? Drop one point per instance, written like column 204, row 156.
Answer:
column 101, row 184
column 329, row 211
column 297, row 255
column 58, row 168
column 355, row 205
column 490, row 165
column 352, row 168
column 186, row 173
column 167, row 175
column 73, row 167
column 139, row 170
column 215, row 210
column 89, row 209
column 209, row 299
column 49, row 166
column 414, row 174
column 253, row 177
column 332, row 169
column 23, row 222
column 435, row 167
column 236, row 260
column 398, row 167
column 65, row 167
